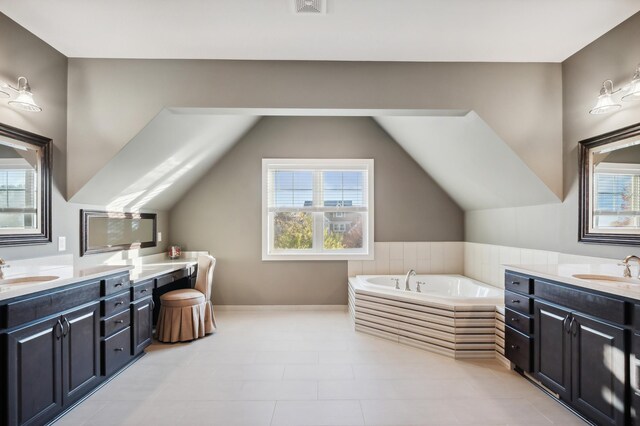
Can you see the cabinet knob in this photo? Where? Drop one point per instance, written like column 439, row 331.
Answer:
column 144, row 290
column 119, row 321
column 515, row 301
column 119, row 302
column 515, row 282
column 119, row 349
column 515, row 319
column 515, row 347
column 118, row 285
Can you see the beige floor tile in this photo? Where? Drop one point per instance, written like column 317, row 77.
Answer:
column 317, row 413
column 311, row 368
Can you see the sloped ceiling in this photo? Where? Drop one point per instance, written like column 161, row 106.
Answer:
column 455, row 147
column 164, row 160
column 469, row 161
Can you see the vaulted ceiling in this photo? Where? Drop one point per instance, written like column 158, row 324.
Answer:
column 455, row 147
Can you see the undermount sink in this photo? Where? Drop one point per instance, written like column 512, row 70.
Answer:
column 606, row 278
column 28, row 280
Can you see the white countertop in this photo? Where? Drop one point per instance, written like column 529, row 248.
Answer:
column 565, row 273
column 62, row 267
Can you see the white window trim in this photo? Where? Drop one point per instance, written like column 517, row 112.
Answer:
column 368, row 254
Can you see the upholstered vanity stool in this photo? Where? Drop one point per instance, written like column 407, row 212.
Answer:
column 187, row 314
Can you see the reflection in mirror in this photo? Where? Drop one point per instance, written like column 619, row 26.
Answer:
column 610, row 188
column 24, row 187
column 111, row 231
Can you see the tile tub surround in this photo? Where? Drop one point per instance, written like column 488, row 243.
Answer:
column 310, row 368
column 425, row 257
column 485, row 262
column 457, row 331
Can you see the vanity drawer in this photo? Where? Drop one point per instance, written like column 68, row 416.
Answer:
column 517, row 348
column 518, row 283
column 597, row 305
column 115, row 284
column 116, row 351
column 33, row 307
column 518, row 321
column 517, row 302
column 142, row 290
column 169, row 278
column 116, row 323
column 115, row 304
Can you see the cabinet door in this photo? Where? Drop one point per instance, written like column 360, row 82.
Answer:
column 552, row 360
column 142, row 331
column 80, row 352
column 598, row 370
column 34, row 374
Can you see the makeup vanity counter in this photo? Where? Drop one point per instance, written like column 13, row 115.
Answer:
column 575, row 330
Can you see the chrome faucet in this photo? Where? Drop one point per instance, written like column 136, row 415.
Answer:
column 625, row 263
column 418, row 284
column 410, row 274
column 3, row 265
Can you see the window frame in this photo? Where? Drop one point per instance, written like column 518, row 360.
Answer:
column 315, row 164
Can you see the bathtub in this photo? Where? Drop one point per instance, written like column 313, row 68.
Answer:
column 447, row 289
column 452, row 315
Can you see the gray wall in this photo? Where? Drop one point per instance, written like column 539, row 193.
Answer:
column 555, row 227
column 222, row 212
column 111, row 100
column 22, row 53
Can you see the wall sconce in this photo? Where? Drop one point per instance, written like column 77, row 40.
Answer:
column 24, row 97
column 606, row 104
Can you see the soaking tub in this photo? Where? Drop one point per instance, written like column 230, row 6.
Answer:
column 452, row 314
column 447, row 289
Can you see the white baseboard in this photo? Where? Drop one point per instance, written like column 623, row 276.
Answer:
column 280, row 308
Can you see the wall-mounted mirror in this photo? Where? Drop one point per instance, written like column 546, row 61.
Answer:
column 610, row 187
column 101, row 231
column 25, row 187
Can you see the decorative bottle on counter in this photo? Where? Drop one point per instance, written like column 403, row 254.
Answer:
column 174, row 252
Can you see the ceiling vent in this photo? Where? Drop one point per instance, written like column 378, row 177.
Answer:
column 310, row 7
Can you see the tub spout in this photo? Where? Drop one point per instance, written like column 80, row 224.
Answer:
column 410, row 274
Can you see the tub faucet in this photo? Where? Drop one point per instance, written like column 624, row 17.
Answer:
column 3, row 265
column 410, row 274
column 418, row 284
column 625, row 263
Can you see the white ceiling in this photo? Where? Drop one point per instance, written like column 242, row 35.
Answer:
column 358, row 30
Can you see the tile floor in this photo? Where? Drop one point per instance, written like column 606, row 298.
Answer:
column 310, row 368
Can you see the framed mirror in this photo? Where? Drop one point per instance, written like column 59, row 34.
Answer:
column 102, row 231
column 25, row 187
column 610, row 187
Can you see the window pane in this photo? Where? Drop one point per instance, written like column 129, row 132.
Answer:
column 292, row 231
column 342, row 230
column 343, row 188
column 14, row 220
column 292, row 188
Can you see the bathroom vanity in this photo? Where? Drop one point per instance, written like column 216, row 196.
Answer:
column 578, row 337
column 61, row 341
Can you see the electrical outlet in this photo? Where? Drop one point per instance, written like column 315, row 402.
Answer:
column 159, row 236
column 62, row 243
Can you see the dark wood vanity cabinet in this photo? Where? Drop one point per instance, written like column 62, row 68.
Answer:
column 142, row 319
column 581, row 347
column 59, row 345
column 51, row 364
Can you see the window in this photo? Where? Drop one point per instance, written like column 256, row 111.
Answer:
column 18, row 195
column 616, row 197
column 317, row 209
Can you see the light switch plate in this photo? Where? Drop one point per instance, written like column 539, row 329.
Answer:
column 159, row 236
column 62, row 243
